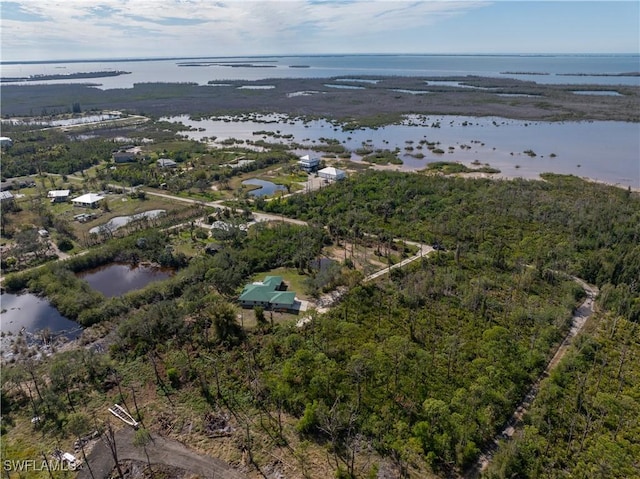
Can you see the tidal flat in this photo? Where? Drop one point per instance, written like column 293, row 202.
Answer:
column 378, row 100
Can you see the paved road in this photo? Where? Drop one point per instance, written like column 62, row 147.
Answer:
column 582, row 313
column 219, row 204
column 161, row 451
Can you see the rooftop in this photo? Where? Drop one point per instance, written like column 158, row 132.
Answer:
column 89, row 198
column 58, row 193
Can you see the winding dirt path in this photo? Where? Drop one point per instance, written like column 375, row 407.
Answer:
column 582, row 313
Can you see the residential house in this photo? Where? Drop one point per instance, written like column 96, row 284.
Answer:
column 309, row 164
column 331, row 174
column 270, row 294
column 90, row 200
column 58, row 196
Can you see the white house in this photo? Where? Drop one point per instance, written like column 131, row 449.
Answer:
column 90, row 200
column 332, row 174
column 58, row 196
column 5, row 141
column 309, row 164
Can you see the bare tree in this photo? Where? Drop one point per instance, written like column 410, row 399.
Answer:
column 141, row 438
column 109, row 437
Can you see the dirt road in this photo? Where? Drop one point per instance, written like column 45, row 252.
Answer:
column 425, row 250
column 582, row 313
column 161, row 451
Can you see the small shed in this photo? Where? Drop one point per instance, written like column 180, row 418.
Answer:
column 90, row 200
column 6, row 197
column 5, row 141
column 332, row 174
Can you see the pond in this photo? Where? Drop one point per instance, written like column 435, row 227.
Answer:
column 345, row 87
column 256, row 87
column 266, row 187
column 597, row 92
column 116, row 279
column 119, row 221
column 33, row 314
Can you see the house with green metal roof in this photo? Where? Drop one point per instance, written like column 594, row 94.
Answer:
column 269, row 293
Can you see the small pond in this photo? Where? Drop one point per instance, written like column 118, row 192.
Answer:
column 597, row 92
column 411, row 92
column 33, row 314
column 455, row 84
column 345, row 87
column 362, row 80
column 119, row 221
column 116, row 279
column 256, row 87
column 266, row 187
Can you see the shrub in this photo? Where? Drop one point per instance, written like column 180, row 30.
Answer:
column 65, row 244
column 174, row 377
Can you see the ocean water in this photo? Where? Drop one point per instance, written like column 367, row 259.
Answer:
column 564, row 69
column 606, row 151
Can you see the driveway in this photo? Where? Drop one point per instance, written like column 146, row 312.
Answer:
column 161, row 450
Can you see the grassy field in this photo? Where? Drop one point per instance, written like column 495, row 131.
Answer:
column 119, row 205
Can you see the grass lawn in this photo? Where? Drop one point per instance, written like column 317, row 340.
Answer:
column 183, row 243
column 294, row 280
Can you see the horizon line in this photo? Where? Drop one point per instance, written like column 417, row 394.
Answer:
column 293, row 55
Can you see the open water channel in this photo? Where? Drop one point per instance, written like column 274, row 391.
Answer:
column 607, row 151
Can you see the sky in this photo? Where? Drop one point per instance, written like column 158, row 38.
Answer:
column 43, row 30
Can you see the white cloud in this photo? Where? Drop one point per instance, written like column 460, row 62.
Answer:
column 130, row 28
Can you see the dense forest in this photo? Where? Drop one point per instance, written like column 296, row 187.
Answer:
column 561, row 223
column 413, row 373
column 586, row 419
column 51, row 151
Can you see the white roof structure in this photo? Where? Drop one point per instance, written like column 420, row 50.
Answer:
column 6, row 195
column 58, row 193
column 307, row 162
column 331, row 173
column 88, row 199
